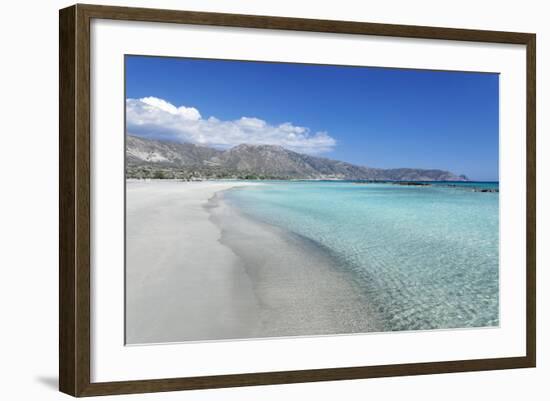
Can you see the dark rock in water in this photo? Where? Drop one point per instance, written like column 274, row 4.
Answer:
column 491, row 190
column 362, row 182
column 413, row 184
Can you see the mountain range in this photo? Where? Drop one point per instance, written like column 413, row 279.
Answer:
column 147, row 158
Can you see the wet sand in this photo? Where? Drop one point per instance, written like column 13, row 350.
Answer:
column 198, row 269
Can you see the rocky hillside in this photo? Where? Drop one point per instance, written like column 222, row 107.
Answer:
column 140, row 150
column 150, row 158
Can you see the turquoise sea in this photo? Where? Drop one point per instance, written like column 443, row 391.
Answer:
column 427, row 257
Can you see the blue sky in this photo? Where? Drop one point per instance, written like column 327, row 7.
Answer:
column 367, row 116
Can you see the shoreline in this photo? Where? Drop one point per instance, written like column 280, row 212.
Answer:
column 301, row 289
column 191, row 274
column 143, row 180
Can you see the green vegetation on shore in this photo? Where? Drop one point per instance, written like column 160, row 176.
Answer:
column 196, row 174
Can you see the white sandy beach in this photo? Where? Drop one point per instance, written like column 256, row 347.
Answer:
column 198, row 270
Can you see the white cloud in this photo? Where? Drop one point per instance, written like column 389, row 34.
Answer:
column 154, row 103
column 156, row 118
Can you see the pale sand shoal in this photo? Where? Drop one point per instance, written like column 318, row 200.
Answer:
column 197, row 269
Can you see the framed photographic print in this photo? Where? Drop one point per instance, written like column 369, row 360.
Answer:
column 250, row 200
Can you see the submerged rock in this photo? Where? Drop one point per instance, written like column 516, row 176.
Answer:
column 492, row 190
column 414, row 184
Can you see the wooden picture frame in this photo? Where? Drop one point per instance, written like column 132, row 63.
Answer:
column 74, row 200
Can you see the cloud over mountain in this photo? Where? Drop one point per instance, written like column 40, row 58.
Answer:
column 156, row 118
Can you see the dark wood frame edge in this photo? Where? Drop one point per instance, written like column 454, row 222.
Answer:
column 74, row 199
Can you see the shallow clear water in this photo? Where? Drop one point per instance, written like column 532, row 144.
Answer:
column 427, row 257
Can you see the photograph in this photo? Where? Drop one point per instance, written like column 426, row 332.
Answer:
column 270, row 199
